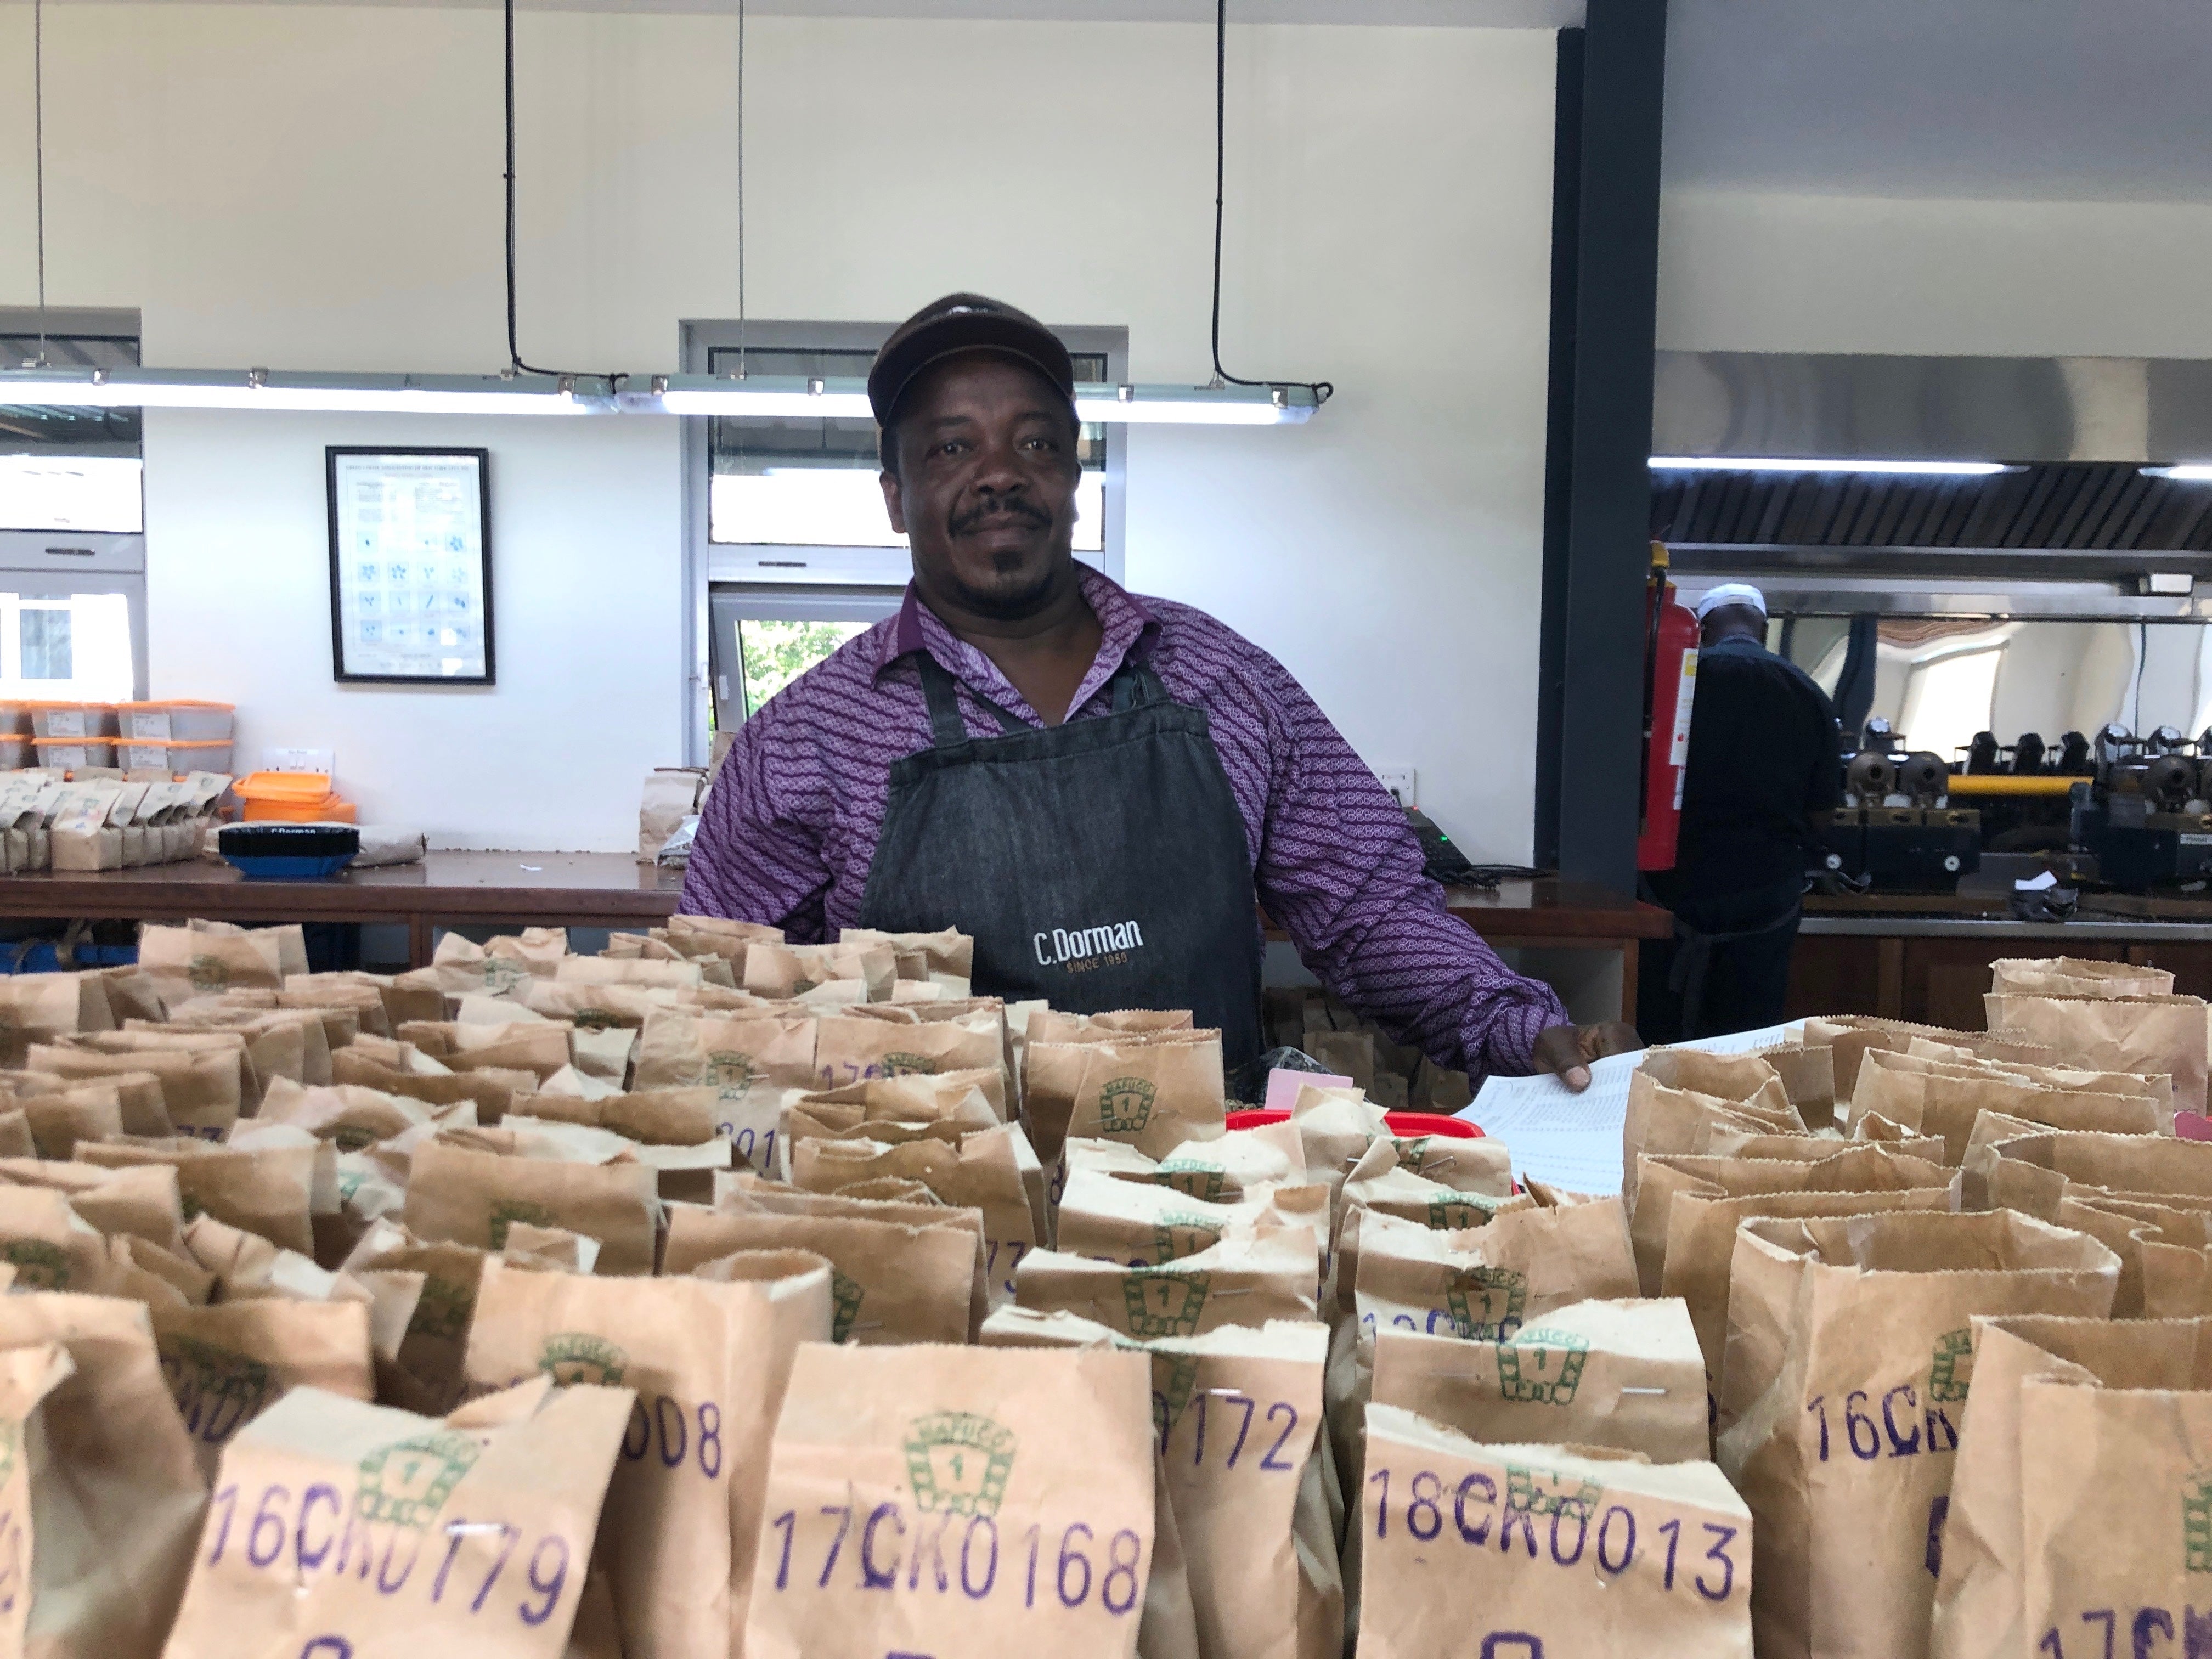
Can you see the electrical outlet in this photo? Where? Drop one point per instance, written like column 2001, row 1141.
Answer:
column 1400, row 781
column 298, row 760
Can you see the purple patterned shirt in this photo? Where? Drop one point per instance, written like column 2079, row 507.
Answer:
column 790, row 829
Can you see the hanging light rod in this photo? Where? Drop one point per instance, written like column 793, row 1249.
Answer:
column 793, row 397
column 1792, row 464
column 760, row 397
column 274, row 390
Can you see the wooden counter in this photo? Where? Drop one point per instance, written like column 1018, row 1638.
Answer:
column 535, row 889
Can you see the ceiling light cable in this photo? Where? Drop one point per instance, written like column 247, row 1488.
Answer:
column 741, row 189
column 1322, row 390
column 39, row 148
column 515, row 365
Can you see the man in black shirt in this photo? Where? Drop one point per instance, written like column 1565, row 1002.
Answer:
column 1763, row 757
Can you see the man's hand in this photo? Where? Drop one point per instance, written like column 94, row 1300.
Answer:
column 1567, row 1050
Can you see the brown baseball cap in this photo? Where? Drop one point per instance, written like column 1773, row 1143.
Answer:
column 964, row 322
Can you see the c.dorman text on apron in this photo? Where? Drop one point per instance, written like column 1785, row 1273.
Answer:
column 1085, row 947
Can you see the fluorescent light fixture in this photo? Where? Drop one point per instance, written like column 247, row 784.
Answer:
column 1790, row 463
column 846, row 398
column 2188, row 472
column 261, row 389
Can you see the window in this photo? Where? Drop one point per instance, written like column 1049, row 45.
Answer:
column 72, row 522
column 790, row 550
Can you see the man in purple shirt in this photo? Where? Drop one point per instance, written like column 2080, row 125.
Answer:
column 1100, row 788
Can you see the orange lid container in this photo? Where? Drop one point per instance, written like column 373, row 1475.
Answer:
column 292, row 797
column 283, row 786
column 330, row 809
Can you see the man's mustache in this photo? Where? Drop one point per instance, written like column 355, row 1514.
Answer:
column 1012, row 506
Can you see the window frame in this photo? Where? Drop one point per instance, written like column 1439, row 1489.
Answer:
column 732, row 604
column 58, row 564
column 780, row 576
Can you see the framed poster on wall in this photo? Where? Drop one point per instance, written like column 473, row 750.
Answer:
column 411, row 565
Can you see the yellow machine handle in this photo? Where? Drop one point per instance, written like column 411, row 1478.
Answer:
column 2004, row 783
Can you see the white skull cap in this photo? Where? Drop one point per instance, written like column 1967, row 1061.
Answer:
column 1731, row 593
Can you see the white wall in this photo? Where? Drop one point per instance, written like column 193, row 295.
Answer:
column 1753, row 270
column 317, row 186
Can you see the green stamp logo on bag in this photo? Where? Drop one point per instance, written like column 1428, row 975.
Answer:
column 1179, row 1234
column 2196, row 1521
column 903, row 1064
column 506, row 1212
column 1413, row 1151
column 208, row 974
column 1953, row 1368
column 580, row 1356
column 353, row 1138
column 1191, row 1180
column 1174, row 1376
column 1161, row 1303
column 1485, row 1303
column 216, row 1391
column 1455, row 1214
column 1546, row 1492
column 1125, row 1105
column 444, row 1310
column 502, row 974
column 959, row 1462
column 845, row 1296
column 39, row 1266
column 407, row 1483
column 597, row 1019
column 1543, row 1366
column 12, row 1440
column 730, row 1072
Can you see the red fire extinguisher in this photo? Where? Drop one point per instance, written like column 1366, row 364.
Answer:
column 1670, row 684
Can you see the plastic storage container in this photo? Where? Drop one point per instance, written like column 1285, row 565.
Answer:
column 167, row 755
column 72, row 720
column 287, row 852
column 185, row 719
column 292, row 797
column 74, row 752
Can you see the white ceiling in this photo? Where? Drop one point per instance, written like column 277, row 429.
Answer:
column 1471, row 13
column 2101, row 100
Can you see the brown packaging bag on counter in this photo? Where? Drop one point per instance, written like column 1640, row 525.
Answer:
column 205, row 1076
column 1981, row 1593
column 1862, row 1324
column 1248, row 1279
column 592, row 1007
column 1851, row 1036
column 197, row 961
column 1141, row 1225
column 1378, row 1181
column 2176, row 1269
column 1539, row 1549
column 976, row 1099
column 1335, row 1128
column 604, row 971
column 2032, row 1172
column 654, row 1117
column 144, row 1202
column 1662, row 1120
column 294, row 1044
column 1219, row 1172
column 751, row 1061
column 698, row 1352
column 349, row 1116
column 28, row 1375
column 1701, row 1248
column 384, row 1514
column 1252, row 1519
column 116, row 1497
column 932, row 1454
column 48, row 1244
column 457, row 1195
column 718, row 936
column 2147, row 1034
column 427, row 1373
column 1882, row 1132
column 36, row 1009
column 1948, row 1106
column 891, row 1282
column 2079, row 976
column 2159, row 1088
column 1623, row 1375
column 225, row 1365
column 853, row 1048
column 1481, row 1167
column 140, row 1093
column 492, row 1091
column 540, row 1046
column 792, row 971
column 1061, row 1025
column 271, row 1191
column 946, row 957
column 1153, row 1094
column 984, row 1172
column 1852, row 1167
column 91, row 1111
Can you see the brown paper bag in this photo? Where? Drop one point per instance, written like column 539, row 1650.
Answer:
column 655, row 1117
column 749, row 1060
column 1154, row 1094
column 115, row 1495
column 946, row 957
column 28, row 1375
column 851, row 1048
column 1870, row 1315
column 143, row 1202
column 204, row 1074
column 2077, row 976
column 1379, row 1182
column 427, row 1373
column 459, row 1196
column 1981, row 1591
column 1139, row 1225
column 984, row 1172
column 2031, row 1173
column 491, row 1090
column 891, row 1282
column 36, row 1008
column 908, row 1459
column 225, row 1365
column 270, row 1192
column 1219, row 1172
column 1667, row 1114
column 91, row 1111
column 695, row 1351
column 381, row 1516
column 2142, row 1034
column 1237, row 1413
column 139, row 1092
column 1248, row 1279
column 1532, row 1550
column 744, row 1195
column 194, row 961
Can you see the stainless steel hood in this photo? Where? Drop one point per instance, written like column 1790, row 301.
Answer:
column 2072, row 527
